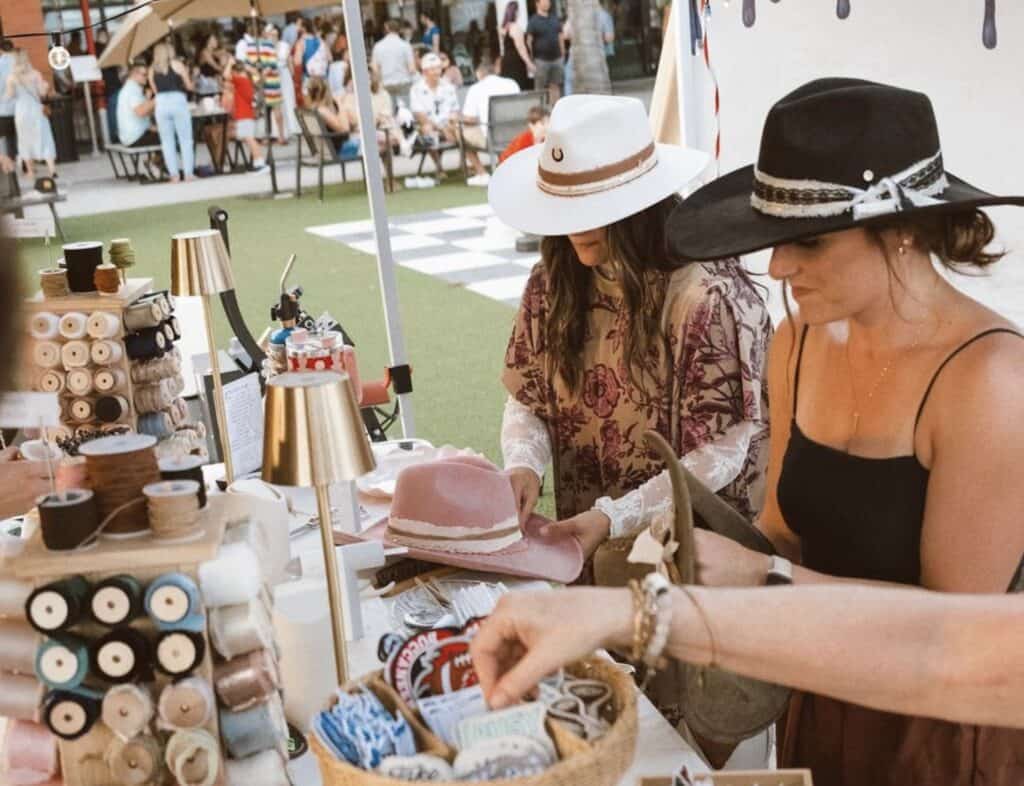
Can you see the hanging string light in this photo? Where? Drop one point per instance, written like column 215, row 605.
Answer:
column 59, row 57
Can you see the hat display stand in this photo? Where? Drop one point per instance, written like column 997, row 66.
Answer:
column 581, row 763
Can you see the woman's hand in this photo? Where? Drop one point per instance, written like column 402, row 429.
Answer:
column 590, row 528
column 21, row 483
column 532, row 634
column 722, row 562
column 526, row 487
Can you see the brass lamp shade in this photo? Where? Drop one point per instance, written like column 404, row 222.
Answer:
column 313, row 434
column 200, row 264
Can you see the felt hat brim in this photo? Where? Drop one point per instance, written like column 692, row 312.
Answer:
column 519, row 202
column 718, row 221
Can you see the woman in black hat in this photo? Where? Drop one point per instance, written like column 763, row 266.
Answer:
column 896, row 418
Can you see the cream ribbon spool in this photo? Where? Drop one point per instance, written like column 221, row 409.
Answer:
column 80, row 381
column 81, row 410
column 135, row 762
column 73, row 325
column 193, row 757
column 109, row 379
column 106, row 352
column 46, row 354
column 102, row 324
column 44, row 326
column 186, row 704
column 127, row 710
column 51, row 382
column 75, row 354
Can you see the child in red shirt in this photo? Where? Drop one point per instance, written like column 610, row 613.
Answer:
column 243, row 112
column 536, row 131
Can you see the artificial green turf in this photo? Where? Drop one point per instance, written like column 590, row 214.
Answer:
column 455, row 338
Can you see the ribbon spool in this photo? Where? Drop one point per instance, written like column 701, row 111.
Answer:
column 155, row 424
column 263, row 769
column 102, row 325
column 30, row 751
column 109, row 379
column 62, row 663
column 173, row 507
column 106, row 352
column 184, row 468
column 140, row 316
column 44, row 326
column 110, row 409
column 46, row 354
column 79, row 381
column 122, row 655
column 54, row 282
column 162, row 300
column 122, row 255
column 50, row 382
column 81, row 261
column 247, row 680
column 107, row 279
column 69, row 519
column 70, row 714
column 14, row 595
column 179, row 412
column 73, row 325
column 81, row 410
column 179, row 652
column 18, row 645
column 193, row 757
column 146, row 371
column 57, row 606
column 135, row 762
column 119, row 468
column 175, row 327
column 20, row 696
column 75, row 354
column 186, row 704
column 168, row 331
column 127, row 710
column 254, row 730
column 236, row 630
column 116, row 600
column 152, row 398
column 171, row 599
column 232, row 577
column 145, row 344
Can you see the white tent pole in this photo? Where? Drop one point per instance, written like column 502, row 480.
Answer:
column 375, row 192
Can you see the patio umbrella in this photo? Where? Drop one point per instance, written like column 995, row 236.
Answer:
column 179, row 10
column 138, row 32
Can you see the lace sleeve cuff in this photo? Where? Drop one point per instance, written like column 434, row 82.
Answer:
column 525, row 441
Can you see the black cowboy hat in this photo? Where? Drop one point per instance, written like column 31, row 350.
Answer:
column 835, row 154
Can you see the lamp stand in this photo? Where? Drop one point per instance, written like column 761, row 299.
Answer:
column 334, row 591
column 218, row 393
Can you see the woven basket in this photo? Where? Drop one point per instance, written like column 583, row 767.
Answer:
column 581, row 763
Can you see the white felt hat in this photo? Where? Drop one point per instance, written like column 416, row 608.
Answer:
column 599, row 164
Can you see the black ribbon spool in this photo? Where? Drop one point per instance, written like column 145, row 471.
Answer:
column 116, row 600
column 70, row 714
column 81, row 261
column 110, row 409
column 122, row 655
column 185, row 468
column 58, row 606
column 175, row 326
column 168, row 331
column 179, row 652
column 146, row 344
column 69, row 519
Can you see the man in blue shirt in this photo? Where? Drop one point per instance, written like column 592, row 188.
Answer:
column 135, row 110
column 546, row 43
column 8, row 137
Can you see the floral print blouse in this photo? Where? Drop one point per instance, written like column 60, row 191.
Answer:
column 704, row 391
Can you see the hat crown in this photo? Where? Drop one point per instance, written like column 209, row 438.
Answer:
column 590, row 134
column 849, row 132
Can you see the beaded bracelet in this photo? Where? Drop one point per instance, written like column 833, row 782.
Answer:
column 652, row 614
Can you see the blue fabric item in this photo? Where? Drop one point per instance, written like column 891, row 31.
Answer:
column 6, row 66
column 350, row 148
column 35, row 136
column 174, row 124
column 129, row 125
column 312, row 44
column 187, row 614
column 428, row 37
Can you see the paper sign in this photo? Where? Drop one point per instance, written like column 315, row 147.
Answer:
column 85, row 68
column 29, row 410
column 243, row 407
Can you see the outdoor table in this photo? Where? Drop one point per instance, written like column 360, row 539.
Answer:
column 212, row 127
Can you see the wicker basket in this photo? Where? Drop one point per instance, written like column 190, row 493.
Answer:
column 580, row 763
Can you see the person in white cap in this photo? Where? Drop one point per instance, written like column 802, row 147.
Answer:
column 614, row 337
column 435, row 106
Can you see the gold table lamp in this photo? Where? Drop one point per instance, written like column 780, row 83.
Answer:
column 201, row 266
column 313, row 435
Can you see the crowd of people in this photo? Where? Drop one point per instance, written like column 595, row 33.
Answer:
column 25, row 133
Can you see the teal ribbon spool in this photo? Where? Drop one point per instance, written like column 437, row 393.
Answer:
column 62, row 663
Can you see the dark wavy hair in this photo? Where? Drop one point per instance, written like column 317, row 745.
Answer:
column 637, row 248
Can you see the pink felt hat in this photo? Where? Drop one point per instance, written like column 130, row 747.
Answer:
column 462, row 512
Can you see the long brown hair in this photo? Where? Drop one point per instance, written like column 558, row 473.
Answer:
column 637, row 255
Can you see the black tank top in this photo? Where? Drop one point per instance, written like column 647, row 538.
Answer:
column 171, row 82
column 857, row 517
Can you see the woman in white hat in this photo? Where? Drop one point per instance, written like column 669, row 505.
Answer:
column 614, row 337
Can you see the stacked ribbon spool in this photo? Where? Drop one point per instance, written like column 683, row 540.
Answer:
column 122, row 255
column 120, row 467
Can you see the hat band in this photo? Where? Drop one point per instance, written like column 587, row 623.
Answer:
column 915, row 186
column 595, row 181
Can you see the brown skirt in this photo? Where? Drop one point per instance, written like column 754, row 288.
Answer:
column 848, row 745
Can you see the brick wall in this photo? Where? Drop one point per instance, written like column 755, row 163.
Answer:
column 26, row 16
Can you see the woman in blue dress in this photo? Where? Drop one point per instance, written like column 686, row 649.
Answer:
column 35, row 137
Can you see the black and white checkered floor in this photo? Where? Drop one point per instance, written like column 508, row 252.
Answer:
column 467, row 246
